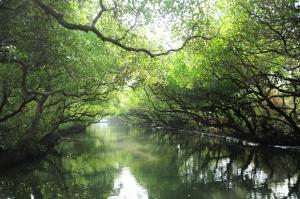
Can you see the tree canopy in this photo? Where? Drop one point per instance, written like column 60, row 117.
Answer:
column 226, row 66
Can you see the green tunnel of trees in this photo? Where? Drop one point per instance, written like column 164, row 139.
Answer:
column 234, row 69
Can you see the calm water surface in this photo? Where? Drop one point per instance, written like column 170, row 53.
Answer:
column 118, row 162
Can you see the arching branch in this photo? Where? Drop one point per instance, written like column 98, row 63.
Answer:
column 90, row 28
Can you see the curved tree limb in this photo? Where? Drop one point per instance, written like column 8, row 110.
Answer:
column 91, row 28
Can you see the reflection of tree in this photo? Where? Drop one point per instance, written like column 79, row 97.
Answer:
column 75, row 173
column 181, row 167
column 295, row 189
column 225, row 169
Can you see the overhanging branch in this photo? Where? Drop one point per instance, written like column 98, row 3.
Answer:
column 90, row 28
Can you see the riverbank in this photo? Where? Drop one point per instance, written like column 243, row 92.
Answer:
column 279, row 143
column 12, row 157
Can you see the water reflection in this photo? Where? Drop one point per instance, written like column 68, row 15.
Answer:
column 126, row 187
column 111, row 162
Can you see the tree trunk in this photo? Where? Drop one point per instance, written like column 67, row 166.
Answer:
column 32, row 134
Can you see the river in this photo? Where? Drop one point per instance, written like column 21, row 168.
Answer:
column 121, row 162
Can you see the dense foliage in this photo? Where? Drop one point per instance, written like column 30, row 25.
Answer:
column 51, row 78
column 73, row 62
column 245, row 80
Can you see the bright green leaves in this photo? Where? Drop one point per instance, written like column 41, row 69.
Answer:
column 178, row 73
column 244, row 77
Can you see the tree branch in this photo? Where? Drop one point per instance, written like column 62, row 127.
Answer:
column 90, row 28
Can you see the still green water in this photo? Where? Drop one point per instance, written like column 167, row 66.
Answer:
column 118, row 162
